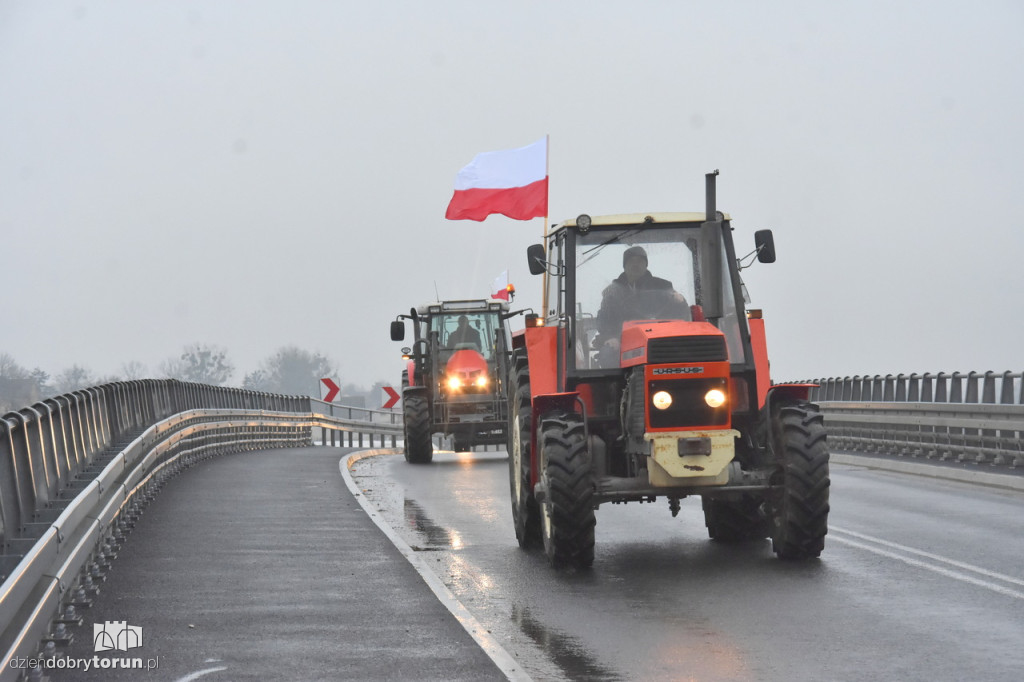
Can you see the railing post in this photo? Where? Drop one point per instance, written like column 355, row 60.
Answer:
column 956, row 388
column 972, row 387
column 846, row 390
column 926, row 388
column 941, row 396
column 988, row 388
column 1006, row 389
column 877, row 389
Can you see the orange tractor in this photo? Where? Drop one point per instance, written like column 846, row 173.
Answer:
column 453, row 383
column 647, row 377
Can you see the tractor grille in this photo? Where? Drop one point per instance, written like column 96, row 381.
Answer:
column 686, row 349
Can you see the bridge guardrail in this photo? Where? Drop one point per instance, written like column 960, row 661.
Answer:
column 76, row 470
column 974, row 418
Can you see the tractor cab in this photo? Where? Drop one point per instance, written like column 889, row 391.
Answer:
column 626, row 292
column 466, row 348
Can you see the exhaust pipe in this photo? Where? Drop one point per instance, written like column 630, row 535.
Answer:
column 711, row 209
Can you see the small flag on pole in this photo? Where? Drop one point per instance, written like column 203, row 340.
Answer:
column 511, row 182
column 500, row 287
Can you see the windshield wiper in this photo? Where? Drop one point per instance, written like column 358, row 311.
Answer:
column 597, row 249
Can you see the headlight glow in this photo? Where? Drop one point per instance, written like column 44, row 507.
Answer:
column 481, row 381
column 454, row 383
column 714, row 398
column 662, row 400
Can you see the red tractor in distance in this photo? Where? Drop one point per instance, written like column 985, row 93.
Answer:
column 453, row 383
column 647, row 377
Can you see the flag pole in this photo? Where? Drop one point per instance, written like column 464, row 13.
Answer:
column 547, row 209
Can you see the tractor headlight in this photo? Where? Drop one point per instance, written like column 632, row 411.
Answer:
column 481, row 381
column 715, row 398
column 454, row 383
column 662, row 400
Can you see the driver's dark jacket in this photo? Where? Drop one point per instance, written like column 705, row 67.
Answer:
column 467, row 335
column 619, row 303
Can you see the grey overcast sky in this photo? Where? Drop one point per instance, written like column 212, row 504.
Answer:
column 254, row 174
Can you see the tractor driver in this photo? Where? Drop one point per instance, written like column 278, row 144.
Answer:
column 464, row 334
column 635, row 294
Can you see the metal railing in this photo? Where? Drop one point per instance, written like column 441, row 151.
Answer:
column 76, row 470
column 973, row 418
column 1005, row 388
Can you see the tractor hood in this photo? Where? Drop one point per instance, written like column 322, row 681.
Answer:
column 467, row 371
column 671, row 341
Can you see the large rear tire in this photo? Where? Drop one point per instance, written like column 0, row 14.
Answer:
column 738, row 520
column 799, row 505
column 567, row 512
column 525, row 512
column 418, row 446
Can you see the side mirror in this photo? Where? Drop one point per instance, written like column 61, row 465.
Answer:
column 536, row 259
column 397, row 330
column 765, row 243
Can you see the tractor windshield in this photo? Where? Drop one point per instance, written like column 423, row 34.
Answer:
column 635, row 274
column 467, row 331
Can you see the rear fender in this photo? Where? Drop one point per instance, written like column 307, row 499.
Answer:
column 801, row 392
column 542, row 354
column 788, row 392
column 414, row 390
column 759, row 346
column 541, row 405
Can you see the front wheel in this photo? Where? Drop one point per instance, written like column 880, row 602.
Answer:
column 418, row 447
column 525, row 514
column 799, row 504
column 567, row 512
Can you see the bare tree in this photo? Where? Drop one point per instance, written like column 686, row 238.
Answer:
column 291, row 371
column 134, row 370
column 18, row 386
column 200, row 363
column 72, row 379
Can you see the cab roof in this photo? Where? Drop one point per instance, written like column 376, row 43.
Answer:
column 636, row 218
column 464, row 306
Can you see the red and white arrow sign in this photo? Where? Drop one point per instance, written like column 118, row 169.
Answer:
column 390, row 397
column 332, row 389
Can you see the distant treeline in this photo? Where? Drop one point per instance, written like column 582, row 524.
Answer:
column 289, row 371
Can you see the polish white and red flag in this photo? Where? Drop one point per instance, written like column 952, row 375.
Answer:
column 499, row 287
column 511, row 182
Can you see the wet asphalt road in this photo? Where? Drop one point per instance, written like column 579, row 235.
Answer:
column 921, row 580
column 263, row 566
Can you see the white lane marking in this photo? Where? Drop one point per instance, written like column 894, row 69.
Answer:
column 930, row 567
column 933, row 557
column 502, row 658
column 199, row 673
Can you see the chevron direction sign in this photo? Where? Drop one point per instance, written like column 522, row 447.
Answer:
column 389, row 397
column 332, row 389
